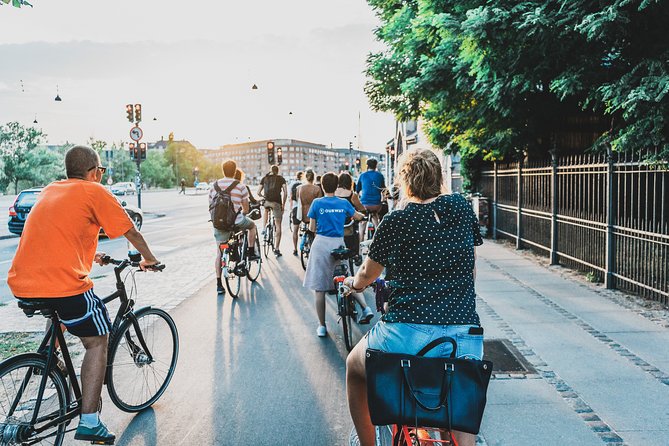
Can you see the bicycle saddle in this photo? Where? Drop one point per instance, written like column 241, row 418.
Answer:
column 341, row 253
column 36, row 306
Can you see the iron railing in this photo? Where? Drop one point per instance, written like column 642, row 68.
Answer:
column 605, row 215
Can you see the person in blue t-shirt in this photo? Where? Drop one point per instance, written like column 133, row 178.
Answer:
column 327, row 216
column 370, row 186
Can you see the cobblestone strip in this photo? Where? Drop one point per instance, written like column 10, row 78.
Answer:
column 653, row 371
column 568, row 394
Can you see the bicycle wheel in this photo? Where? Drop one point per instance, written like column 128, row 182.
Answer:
column 20, row 379
column 268, row 239
column 233, row 281
column 254, row 266
column 304, row 258
column 347, row 324
column 137, row 377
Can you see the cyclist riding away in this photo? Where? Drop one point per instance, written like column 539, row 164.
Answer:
column 345, row 191
column 428, row 251
column 54, row 259
column 240, row 199
column 369, row 187
column 271, row 187
column 294, row 218
column 327, row 216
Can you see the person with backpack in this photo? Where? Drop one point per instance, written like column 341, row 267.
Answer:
column 228, row 207
column 271, row 187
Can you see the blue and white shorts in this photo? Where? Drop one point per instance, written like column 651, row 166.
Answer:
column 84, row 315
column 401, row 337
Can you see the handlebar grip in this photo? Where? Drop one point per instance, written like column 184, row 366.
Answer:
column 157, row 267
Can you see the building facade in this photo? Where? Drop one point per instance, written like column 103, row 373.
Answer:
column 296, row 156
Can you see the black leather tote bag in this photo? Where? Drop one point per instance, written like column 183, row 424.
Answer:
column 413, row 390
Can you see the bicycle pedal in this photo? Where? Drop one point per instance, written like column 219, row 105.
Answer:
column 103, row 442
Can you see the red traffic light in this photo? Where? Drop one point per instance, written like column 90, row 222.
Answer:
column 130, row 112
column 138, row 112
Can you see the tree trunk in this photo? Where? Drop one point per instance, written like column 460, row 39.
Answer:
column 16, row 186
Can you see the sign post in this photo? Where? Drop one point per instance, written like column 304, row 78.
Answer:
column 137, row 149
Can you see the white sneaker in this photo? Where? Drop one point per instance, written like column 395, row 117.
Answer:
column 321, row 331
column 367, row 315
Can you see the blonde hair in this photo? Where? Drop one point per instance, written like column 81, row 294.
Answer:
column 420, row 174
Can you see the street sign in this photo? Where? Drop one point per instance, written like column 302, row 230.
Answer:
column 110, row 181
column 136, row 133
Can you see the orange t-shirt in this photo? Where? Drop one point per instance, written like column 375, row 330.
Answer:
column 60, row 238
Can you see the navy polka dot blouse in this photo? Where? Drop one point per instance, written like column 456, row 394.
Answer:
column 428, row 252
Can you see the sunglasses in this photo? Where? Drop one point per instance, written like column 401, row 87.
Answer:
column 100, row 168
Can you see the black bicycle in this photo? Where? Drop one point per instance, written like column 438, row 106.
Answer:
column 306, row 238
column 346, row 309
column 36, row 402
column 268, row 235
column 235, row 261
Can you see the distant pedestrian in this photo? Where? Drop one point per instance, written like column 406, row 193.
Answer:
column 273, row 189
column 183, row 186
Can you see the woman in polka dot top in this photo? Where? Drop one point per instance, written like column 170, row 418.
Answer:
column 427, row 250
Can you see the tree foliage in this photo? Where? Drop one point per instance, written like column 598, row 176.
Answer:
column 23, row 161
column 493, row 79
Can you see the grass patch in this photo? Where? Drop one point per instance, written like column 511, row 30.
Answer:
column 18, row 342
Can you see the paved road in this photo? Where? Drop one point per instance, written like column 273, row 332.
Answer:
column 167, row 215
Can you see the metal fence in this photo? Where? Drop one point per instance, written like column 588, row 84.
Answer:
column 605, row 215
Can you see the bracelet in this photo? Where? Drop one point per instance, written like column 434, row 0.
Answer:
column 356, row 289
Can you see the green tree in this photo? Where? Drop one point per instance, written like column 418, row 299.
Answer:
column 157, row 171
column 184, row 157
column 499, row 79
column 23, row 161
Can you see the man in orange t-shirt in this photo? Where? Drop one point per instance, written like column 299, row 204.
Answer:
column 54, row 259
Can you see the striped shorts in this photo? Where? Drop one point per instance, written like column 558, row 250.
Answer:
column 84, row 315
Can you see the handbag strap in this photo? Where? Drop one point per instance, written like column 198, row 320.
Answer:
column 436, row 342
column 445, row 386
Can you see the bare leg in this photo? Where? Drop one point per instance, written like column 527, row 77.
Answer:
column 295, row 231
column 360, row 298
column 361, row 230
column 93, row 372
column 320, row 306
column 217, row 263
column 464, row 439
column 356, row 392
column 252, row 238
column 278, row 234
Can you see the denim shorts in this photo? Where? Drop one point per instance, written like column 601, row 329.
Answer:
column 224, row 236
column 401, row 337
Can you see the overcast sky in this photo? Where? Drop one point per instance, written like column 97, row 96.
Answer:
column 191, row 65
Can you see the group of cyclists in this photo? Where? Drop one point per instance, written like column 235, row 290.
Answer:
column 425, row 247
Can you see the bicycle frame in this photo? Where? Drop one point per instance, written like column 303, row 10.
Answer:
column 55, row 333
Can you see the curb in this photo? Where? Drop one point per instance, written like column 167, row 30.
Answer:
column 5, row 237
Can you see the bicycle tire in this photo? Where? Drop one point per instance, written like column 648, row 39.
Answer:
column 126, row 355
column 250, row 273
column 268, row 239
column 304, row 258
column 11, row 377
column 347, row 324
column 233, row 282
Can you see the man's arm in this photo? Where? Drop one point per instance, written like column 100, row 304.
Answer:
column 245, row 206
column 261, row 189
column 137, row 240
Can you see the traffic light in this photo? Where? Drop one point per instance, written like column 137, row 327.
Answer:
column 138, row 112
column 130, row 112
column 142, row 151
column 279, row 155
column 131, row 149
column 350, row 145
column 270, row 152
column 357, row 164
column 347, row 165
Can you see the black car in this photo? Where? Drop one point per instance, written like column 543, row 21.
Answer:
column 26, row 199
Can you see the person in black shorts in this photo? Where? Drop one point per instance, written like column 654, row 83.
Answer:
column 294, row 219
column 273, row 189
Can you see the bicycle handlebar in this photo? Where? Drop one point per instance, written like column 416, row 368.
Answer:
column 126, row 262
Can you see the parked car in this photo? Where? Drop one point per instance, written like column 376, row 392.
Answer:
column 202, row 186
column 124, row 188
column 25, row 200
column 18, row 212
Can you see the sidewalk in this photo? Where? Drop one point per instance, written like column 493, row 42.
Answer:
column 602, row 361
